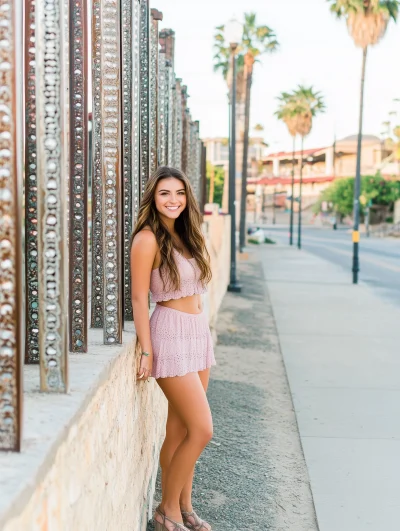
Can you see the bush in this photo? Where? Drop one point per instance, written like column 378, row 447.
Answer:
column 374, row 188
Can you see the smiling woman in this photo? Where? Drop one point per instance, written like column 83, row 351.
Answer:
column 169, row 258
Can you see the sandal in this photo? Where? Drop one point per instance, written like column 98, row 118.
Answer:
column 160, row 526
column 194, row 523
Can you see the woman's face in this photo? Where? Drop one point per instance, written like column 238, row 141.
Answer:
column 170, row 197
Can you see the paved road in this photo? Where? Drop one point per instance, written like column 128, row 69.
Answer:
column 379, row 257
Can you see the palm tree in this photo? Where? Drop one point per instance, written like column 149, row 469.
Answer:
column 297, row 109
column 367, row 21
column 256, row 41
column 307, row 105
column 286, row 114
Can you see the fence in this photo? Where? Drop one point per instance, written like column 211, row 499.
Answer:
column 140, row 120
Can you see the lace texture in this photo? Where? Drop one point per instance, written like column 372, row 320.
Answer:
column 189, row 281
column 181, row 342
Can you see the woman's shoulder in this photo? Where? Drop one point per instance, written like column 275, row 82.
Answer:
column 145, row 238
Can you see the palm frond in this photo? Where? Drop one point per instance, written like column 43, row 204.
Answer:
column 297, row 109
column 366, row 20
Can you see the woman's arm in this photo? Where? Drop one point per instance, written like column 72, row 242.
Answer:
column 143, row 252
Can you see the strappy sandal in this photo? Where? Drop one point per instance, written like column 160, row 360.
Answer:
column 194, row 522
column 160, row 526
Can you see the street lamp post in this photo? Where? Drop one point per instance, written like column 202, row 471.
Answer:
column 300, row 196
column 273, row 206
column 302, row 163
column 233, row 32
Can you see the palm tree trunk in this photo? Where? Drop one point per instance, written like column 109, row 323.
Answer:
column 300, row 195
column 292, row 198
column 249, row 74
column 357, row 184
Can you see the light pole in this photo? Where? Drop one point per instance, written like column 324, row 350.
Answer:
column 273, row 206
column 292, row 197
column 233, row 33
column 302, row 163
column 300, row 195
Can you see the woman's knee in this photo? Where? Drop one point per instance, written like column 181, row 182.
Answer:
column 175, row 429
column 201, row 433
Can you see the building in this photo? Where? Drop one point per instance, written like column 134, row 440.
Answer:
column 218, row 153
column 321, row 166
column 338, row 160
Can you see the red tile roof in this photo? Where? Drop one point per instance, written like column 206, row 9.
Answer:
column 289, row 154
column 271, row 181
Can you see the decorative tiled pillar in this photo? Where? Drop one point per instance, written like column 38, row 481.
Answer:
column 144, row 64
column 163, row 100
column 78, row 179
column 111, row 131
column 178, row 126
column 97, row 292
column 11, row 134
column 156, row 16
column 52, row 166
column 31, row 214
column 130, row 144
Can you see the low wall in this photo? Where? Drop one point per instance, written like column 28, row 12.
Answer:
column 89, row 458
column 217, row 228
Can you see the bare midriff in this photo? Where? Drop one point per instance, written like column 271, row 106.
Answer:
column 185, row 304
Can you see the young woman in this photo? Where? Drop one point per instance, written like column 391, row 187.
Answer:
column 169, row 258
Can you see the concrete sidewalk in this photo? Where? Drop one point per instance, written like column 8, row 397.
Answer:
column 252, row 476
column 341, row 348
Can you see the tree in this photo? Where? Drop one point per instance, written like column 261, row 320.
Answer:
column 215, row 179
column 286, row 113
column 297, row 109
column 375, row 190
column 256, row 40
column 367, row 21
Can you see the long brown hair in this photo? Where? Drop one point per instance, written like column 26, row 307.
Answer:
column 187, row 226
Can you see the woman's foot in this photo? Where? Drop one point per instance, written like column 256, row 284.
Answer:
column 168, row 523
column 193, row 522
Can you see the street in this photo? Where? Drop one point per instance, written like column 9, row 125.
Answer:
column 379, row 257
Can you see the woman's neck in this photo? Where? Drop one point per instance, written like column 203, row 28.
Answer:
column 169, row 224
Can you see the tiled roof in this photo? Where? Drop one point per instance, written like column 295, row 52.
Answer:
column 271, row 181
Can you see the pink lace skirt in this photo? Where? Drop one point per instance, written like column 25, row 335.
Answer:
column 181, row 342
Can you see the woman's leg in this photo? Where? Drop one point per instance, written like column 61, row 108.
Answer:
column 186, row 494
column 188, row 399
column 175, row 433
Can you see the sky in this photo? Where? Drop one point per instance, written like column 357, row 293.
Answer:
column 315, row 49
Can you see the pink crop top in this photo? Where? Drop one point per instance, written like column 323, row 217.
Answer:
column 189, row 276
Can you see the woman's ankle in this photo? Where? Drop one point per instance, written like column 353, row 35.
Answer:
column 186, row 506
column 172, row 510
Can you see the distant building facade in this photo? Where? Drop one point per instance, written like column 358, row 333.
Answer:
column 321, row 166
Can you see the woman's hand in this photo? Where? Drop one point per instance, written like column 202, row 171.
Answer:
column 145, row 367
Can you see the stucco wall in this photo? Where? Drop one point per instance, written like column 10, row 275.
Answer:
column 217, row 233
column 89, row 458
column 102, row 473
